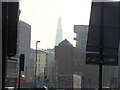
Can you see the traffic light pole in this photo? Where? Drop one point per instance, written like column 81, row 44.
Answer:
column 19, row 77
column 21, row 67
column 100, row 76
column 101, row 47
column 4, row 42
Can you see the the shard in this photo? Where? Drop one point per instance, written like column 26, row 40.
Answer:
column 59, row 36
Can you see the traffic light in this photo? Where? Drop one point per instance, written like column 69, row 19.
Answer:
column 22, row 60
column 46, row 79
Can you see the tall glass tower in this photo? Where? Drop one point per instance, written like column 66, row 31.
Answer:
column 59, row 36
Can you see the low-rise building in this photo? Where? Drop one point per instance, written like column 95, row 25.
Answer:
column 44, row 65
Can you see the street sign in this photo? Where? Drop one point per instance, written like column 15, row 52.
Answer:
column 103, row 33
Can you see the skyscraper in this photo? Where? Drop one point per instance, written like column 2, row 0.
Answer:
column 59, row 37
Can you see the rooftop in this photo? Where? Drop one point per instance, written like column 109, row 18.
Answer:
column 65, row 43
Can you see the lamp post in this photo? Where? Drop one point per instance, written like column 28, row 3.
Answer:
column 36, row 61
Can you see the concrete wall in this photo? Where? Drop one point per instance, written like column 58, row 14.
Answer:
column 64, row 60
column 50, row 66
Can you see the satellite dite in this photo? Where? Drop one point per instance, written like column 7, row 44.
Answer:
column 103, row 34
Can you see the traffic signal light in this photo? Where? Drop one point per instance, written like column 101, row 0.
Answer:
column 46, row 79
column 22, row 60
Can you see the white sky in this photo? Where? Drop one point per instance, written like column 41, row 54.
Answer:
column 43, row 16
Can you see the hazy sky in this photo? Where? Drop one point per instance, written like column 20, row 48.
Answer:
column 43, row 16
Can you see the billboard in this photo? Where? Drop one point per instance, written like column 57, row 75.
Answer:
column 103, row 33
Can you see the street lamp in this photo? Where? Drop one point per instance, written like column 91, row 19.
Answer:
column 36, row 61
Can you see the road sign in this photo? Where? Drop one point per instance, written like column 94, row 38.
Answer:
column 103, row 33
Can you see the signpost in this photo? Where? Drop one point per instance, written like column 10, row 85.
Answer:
column 103, row 36
column 21, row 68
column 103, row 33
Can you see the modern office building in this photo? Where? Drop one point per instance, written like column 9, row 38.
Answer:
column 23, row 47
column 81, row 35
column 59, row 36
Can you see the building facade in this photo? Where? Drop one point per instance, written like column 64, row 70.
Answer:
column 81, row 35
column 64, row 58
column 23, row 47
column 67, row 60
column 50, row 68
column 44, row 65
